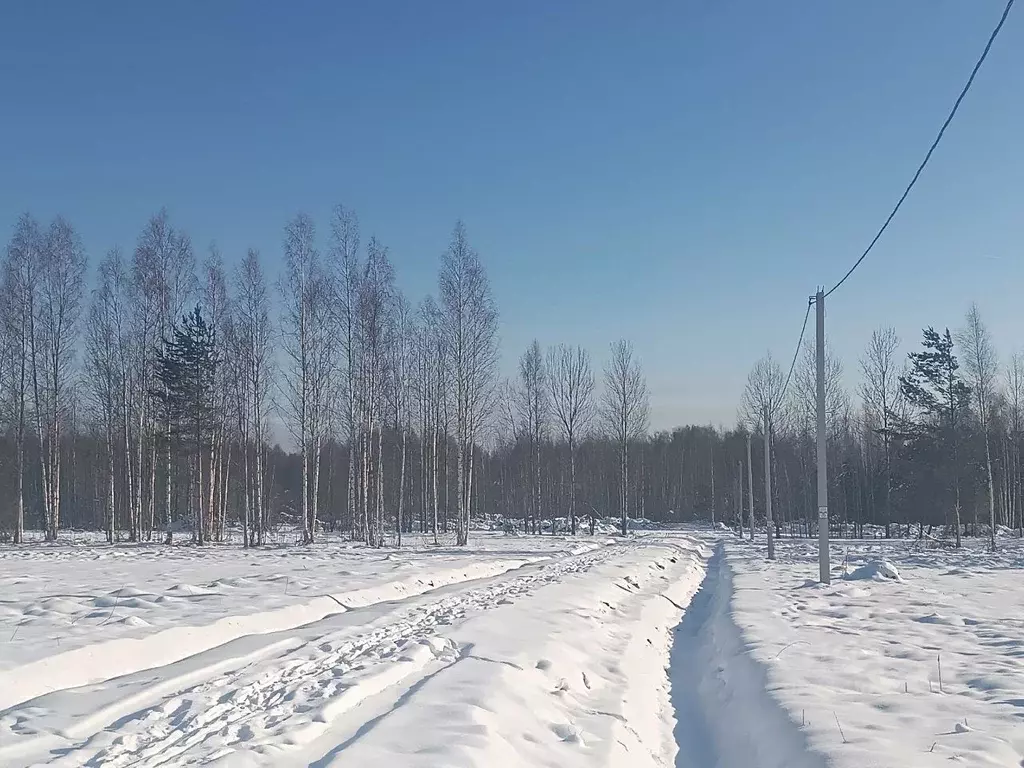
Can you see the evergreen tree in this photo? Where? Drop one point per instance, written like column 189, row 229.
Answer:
column 935, row 389
column 186, row 369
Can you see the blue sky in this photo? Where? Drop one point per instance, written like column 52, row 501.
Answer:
column 682, row 174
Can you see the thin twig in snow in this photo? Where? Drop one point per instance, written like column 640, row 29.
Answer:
column 795, row 642
column 840, row 727
column 677, row 605
column 114, row 606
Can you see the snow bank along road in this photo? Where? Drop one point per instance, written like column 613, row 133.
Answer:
column 551, row 660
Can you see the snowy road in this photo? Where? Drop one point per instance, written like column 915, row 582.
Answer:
column 665, row 649
column 408, row 676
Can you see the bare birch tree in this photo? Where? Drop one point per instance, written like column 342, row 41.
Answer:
column 165, row 281
column 347, row 272
column 20, row 283
column 470, row 327
column 104, row 367
column 305, row 323
column 883, row 398
column 375, row 323
column 11, row 524
column 217, row 305
column 626, row 411
column 761, row 406
column 804, row 391
column 431, row 392
column 534, row 404
column 764, row 391
column 402, row 365
column 144, row 335
column 255, row 335
column 982, row 366
column 571, row 383
column 58, row 308
column 1015, row 408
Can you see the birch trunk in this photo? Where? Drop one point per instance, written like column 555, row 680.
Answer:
column 460, row 533
column 572, row 485
column 401, row 487
column 435, row 473
column 315, row 494
column 380, row 487
column 167, row 483
column 19, row 525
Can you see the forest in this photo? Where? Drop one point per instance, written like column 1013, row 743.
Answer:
column 164, row 394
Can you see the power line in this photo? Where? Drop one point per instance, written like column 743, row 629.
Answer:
column 927, row 157
column 796, row 354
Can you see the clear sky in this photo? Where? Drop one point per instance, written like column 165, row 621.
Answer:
column 680, row 173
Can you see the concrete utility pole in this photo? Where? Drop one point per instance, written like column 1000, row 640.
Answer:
column 824, row 572
column 739, row 496
column 750, row 488
column 768, row 483
column 712, row 487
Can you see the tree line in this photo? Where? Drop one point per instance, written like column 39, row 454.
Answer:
column 144, row 400
column 932, row 441
column 148, row 398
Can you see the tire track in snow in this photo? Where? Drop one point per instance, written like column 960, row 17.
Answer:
column 272, row 706
column 106, row 659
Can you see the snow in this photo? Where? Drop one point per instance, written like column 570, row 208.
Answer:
column 447, row 657
column 855, row 666
column 663, row 648
column 877, row 570
column 579, row 682
column 80, row 613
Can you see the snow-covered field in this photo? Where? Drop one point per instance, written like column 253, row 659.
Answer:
column 78, row 613
column 516, row 650
column 856, row 665
column 667, row 648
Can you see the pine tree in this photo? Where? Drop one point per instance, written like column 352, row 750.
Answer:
column 934, row 387
column 186, row 369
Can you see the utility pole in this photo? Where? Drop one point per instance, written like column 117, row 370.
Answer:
column 750, row 488
column 739, row 496
column 712, row 487
column 824, row 572
column 768, row 483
